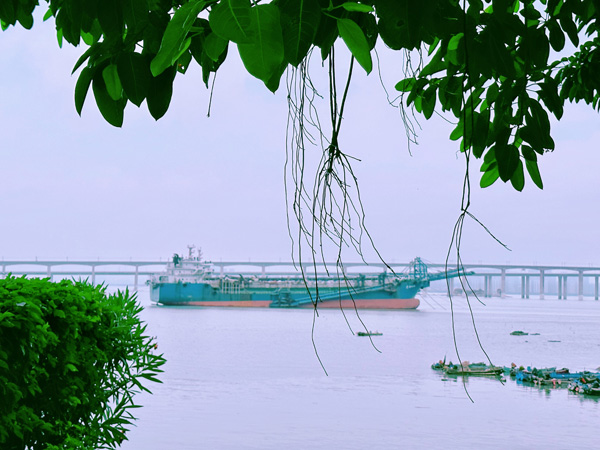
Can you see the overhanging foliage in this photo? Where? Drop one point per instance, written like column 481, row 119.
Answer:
column 496, row 66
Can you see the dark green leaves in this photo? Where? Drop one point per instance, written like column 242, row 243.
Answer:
column 71, row 361
column 135, row 76
column 175, row 41
column 111, row 109
column 263, row 57
column 82, row 87
column 299, row 23
column 231, row 19
column 160, row 93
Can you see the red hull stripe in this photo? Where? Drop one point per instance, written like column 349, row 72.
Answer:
column 395, row 303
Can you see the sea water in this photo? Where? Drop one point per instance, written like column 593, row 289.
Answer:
column 253, row 379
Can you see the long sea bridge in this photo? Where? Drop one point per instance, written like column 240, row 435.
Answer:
column 558, row 281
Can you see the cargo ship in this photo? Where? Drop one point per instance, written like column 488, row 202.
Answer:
column 191, row 281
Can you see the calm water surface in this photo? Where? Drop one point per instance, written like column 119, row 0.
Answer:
column 249, row 378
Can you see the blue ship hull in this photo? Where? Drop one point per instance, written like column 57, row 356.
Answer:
column 387, row 296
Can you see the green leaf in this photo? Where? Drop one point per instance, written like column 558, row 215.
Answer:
column 508, row 160
column 455, row 53
column 490, row 176
column 214, row 46
column 457, row 132
column 528, row 153
column 135, row 14
column 518, row 177
column 480, row 133
column 358, row 7
column 231, row 19
column 111, row 110
column 327, row 33
column 567, row 24
column 160, row 93
column 110, row 16
column 264, row 56
column 534, row 173
column 48, row 14
column 437, row 64
column 557, row 37
column 134, row 73
column 405, row 85
column 356, row 42
column 429, row 101
column 82, row 86
column 299, row 23
column 112, row 82
column 175, row 36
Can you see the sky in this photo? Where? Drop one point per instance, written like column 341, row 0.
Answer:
column 78, row 188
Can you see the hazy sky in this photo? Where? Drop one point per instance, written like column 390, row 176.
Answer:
column 77, row 187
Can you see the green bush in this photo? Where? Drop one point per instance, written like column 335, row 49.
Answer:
column 72, row 358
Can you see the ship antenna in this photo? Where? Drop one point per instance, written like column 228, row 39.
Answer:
column 191, row 251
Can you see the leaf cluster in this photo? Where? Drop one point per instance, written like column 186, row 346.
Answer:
column 492, row 64
column 71, row 360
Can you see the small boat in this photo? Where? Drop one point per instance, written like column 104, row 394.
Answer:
column 369, row 333
column 475, row 370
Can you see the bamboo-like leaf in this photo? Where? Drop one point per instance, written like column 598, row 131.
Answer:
column 356, row 42
column 534, row 173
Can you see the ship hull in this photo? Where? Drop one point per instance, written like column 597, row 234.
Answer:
column 201, row 294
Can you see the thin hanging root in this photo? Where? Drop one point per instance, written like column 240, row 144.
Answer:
column 332, row 211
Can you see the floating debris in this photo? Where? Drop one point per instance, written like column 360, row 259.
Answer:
column 369, row 333
column 518, row 333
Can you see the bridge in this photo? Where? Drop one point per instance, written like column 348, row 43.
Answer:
column 539, row 280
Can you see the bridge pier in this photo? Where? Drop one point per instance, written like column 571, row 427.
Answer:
column 596, row 287
column 565, row 285
column 522, row 286
column 580, row 290
column 541, row 284
column 526, row 286
column 135, row 280
column 502, row 282
column 93, row 274
column 49, row 272
column 559, row 286
column 486, row 286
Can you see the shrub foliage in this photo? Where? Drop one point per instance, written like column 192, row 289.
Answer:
column 72, row 357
